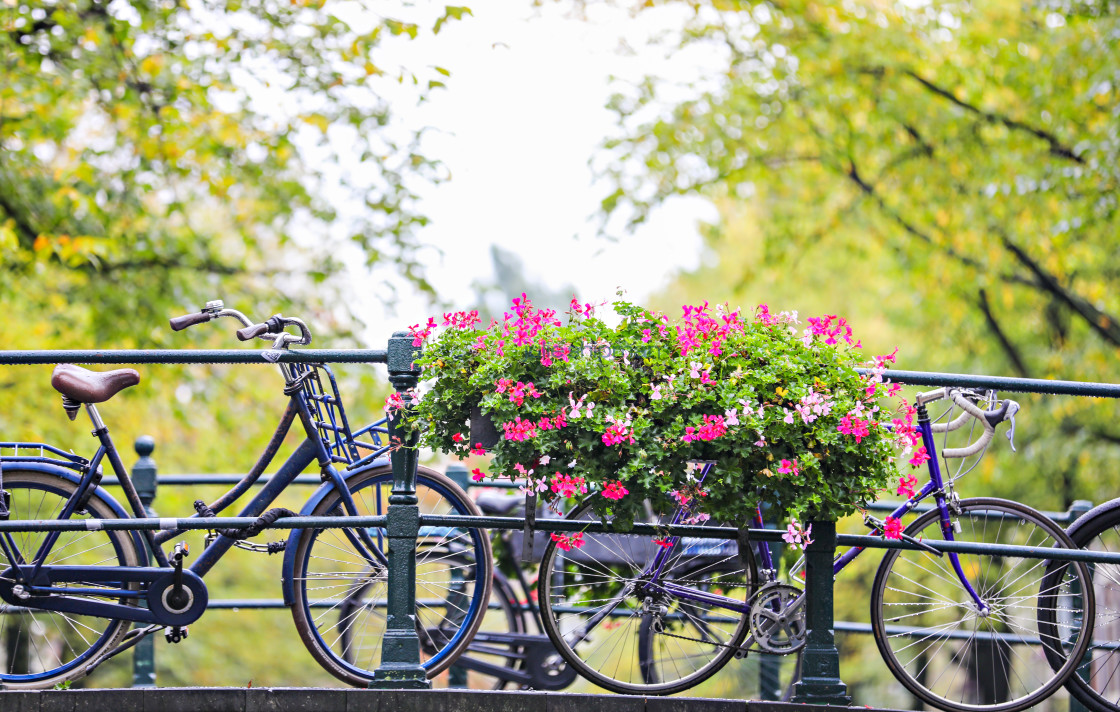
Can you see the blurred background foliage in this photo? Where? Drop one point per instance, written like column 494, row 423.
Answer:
column 944, row 174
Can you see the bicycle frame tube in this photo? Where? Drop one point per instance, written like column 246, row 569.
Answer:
column 662, row 556
column 296, row 463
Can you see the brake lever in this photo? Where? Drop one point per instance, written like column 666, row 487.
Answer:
column 1012, row 409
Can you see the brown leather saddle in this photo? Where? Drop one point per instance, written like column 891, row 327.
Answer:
column 79, row 385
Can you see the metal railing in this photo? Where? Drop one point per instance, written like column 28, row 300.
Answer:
column 820, row 653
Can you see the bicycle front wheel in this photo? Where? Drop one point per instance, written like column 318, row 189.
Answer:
column 636, row 619
column 43, row 648
column 957, row 653
column 341, row 600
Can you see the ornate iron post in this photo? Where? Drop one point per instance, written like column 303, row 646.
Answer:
column 145, row 480
column 820, row 662
column 400, row 651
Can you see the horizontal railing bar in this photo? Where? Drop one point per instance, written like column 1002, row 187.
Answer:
column 180, row 356
column 770, row 535
column 109, row 356
column 1003, row 383
column 554, row 525
column 189, row 523
column 181, row 480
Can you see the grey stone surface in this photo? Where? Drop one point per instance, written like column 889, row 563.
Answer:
column 14, row 701
column 107, row 700
column 296, row 699
column 694, row 704
column 567, row 702
column 195, row 699
column 280, row 699
column 57, row 700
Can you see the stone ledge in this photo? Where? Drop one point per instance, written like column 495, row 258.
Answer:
column 312, row 699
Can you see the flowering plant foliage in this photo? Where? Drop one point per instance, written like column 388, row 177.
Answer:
column 626, row 411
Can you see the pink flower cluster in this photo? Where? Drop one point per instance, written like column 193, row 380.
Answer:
column 419, row 333
column 557, row 422
column 517, row 391
column 814, row 406
column 567, row 542
column 797, row 536
column 713, row 427
column 906, row 486
column 618, row 433
column 700, row 329
column 852, row 424
column 519, row 430
column 615, row 491
column 832, row 328
column 567, row 486
column 395, row 400
column 920, row 456
column 788, row 467
column 892, row 528
column 461, row 320
column 762, row 313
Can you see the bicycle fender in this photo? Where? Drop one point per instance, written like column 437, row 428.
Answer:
column 287, row 572
column 99, row 492
column 1093, row 513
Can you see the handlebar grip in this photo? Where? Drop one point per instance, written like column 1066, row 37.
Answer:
column 952, row 425
column 178, row 323
column 969, row 450
column 252, row 332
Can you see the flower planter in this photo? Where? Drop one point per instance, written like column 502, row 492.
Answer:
column 484, row 431
column 626, row 409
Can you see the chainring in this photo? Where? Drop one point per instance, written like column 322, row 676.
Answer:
column 777, row 619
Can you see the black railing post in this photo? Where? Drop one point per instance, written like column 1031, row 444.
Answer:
column 400, row 649
column 144, row 478
column 820, row 662
column 1076, row 509
column 457, row 472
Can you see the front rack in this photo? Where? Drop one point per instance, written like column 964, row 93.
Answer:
column 328, row 415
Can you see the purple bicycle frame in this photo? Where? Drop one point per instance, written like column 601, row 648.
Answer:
column 935, row 486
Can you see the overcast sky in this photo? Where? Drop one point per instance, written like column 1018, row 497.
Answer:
column 522, row 114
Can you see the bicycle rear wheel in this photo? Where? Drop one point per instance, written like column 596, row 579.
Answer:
column 955, row 655
column 340, row 601
column 609, row 617
column 43, row 648
column 1096, row 681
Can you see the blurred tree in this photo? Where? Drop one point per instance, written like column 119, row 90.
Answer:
column 151, row 151
column 958, row 162
column 492, row 298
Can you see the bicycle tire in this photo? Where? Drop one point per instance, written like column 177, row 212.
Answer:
column 333, row 578
column 919, row 588
column 1095, row 682
column 563, row 589
column 59, row 645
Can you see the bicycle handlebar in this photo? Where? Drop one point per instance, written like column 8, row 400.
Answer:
column 989, row 419
column 178, row 323
column 272, row 330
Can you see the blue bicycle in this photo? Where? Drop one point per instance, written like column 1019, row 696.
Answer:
column 960, row 632
column 69, row 599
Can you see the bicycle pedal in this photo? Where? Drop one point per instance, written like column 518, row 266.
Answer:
column 176, row 634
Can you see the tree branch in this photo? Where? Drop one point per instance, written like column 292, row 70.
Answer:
column 1103, row 323
column 1056, row 146
column 1008, row 348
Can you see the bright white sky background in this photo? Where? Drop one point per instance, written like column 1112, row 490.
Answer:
column 522, row 115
